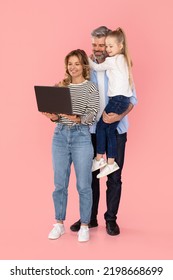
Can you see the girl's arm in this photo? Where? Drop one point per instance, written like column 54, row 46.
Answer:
column 106, row 65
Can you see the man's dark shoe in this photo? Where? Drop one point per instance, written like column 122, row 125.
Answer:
column 93, row 223
column 76, row 226
column 112, row 228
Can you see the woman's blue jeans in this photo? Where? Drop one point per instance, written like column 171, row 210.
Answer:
column 72, row 144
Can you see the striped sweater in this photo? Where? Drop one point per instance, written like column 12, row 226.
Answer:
column 85, row 103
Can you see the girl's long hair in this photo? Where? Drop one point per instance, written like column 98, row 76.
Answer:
column 120, row 36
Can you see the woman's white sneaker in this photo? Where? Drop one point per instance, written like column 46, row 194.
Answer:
column 97, row 164
column 57, row 231
column 108, row 169
column 83, row 234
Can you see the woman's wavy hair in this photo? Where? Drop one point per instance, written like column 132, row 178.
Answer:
column 82, row 56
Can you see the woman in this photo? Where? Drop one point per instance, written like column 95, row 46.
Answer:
column 72, row 143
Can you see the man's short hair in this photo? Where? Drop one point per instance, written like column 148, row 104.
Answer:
column 101, row 31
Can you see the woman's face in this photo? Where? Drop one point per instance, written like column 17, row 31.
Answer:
column 75, row 67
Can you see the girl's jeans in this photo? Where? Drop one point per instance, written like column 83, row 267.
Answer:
column 105, row 132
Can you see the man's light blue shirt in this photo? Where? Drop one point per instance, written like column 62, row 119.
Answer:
column 123, row 124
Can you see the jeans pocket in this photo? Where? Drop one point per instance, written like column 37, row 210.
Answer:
column 84, row 131
column 58, row 128
column 84, row 136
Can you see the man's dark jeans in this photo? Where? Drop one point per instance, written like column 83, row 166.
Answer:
column 113, row 192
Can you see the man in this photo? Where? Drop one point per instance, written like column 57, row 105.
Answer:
column 113, row 193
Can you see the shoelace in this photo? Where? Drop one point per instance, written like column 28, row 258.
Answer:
column 82, row 231
column 56, row 228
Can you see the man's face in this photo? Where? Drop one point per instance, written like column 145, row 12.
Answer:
column 99, row 48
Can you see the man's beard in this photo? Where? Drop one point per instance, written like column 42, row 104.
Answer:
column 101, row 57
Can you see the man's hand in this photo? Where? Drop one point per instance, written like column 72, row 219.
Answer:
column 111, row 117
column 92, row 57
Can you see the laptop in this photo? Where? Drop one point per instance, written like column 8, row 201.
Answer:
column 53, row 99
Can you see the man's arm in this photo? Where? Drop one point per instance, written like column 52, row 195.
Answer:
column 113, row 117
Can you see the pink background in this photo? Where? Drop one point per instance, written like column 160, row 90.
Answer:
column 35, row 37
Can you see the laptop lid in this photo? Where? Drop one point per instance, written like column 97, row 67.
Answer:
column 53, row 99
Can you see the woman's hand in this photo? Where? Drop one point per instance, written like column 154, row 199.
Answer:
column 52, row 117
column 73, row 118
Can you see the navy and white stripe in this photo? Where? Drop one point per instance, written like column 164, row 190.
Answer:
column 85, row 102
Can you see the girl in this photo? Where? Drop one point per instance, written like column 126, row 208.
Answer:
column 118, row 70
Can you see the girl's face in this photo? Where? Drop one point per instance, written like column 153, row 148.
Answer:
column 112, row 46
column 75, row 67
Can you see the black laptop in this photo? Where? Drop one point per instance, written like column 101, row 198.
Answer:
column 53, row 99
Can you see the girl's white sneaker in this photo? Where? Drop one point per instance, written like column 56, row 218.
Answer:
column 108, row 169
column 97, row 164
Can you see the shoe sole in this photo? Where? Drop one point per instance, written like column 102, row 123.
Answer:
column 50, row 238
column 103, row 165
column 92, row 226
column 81, row 240
column 112, row 234
column 101, row 175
